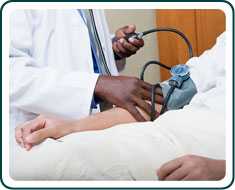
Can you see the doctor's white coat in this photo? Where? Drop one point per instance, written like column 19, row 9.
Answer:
column 51, row 68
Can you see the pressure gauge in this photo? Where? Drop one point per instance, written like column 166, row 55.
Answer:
column 179, row 73
column 181, row 70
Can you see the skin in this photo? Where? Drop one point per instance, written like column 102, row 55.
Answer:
column 127, row 93
column 189, row 167
column 122, row 91
column 192, row 167
column 124, row 48
column 108, row 88
column 37, row 130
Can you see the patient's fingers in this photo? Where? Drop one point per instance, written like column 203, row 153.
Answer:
column 38, row 136
column 37, row 123
column 168, row 168
column 18, row 136
column 33, row 125
column 28, row 146
column 25, row 129
column 177, row 174
column 189, row 177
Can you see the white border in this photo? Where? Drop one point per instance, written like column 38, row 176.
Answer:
column 153, row 5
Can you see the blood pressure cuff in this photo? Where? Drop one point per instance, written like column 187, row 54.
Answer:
column 180, row 96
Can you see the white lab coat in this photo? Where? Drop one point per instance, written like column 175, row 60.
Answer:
column 51, row 69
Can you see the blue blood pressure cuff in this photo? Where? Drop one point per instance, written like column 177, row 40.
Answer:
column 182, row 93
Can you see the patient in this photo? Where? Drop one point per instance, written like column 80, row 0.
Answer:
column 136, row 150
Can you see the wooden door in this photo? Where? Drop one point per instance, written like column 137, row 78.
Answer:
column 202, row 27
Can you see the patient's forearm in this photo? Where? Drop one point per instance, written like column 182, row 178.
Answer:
column 102, row 120
column 44, row 127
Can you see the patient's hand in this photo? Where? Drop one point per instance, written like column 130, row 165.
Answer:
column 37, row 130
column 192, row 167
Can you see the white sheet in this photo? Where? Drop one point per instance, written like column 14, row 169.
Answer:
column 130, row 151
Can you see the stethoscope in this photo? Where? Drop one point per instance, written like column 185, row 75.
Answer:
column 100, row 53
column 180, row 73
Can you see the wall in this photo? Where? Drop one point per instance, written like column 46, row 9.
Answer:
column 143, row 19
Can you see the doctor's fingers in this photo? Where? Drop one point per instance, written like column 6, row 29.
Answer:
column 131, row 108
column 142, row 104
column 136, row 42
column 145, row 85
column 128, row 46
column 146, row 95
column 122, row 32
column 159, row 99
column 145, row 92
column 118, row 51
column 168, row 168
column 123, row 51
column 148, row 87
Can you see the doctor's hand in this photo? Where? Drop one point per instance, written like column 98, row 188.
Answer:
column 192, row 167
column 122, row 47
column 128, row 93
column 37, row 130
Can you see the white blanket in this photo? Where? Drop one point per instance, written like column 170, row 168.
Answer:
column 130, row 151
column 135, row 151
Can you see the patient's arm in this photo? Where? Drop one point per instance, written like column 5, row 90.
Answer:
column 35, row 131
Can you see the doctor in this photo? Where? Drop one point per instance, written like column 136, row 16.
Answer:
column 54, row 69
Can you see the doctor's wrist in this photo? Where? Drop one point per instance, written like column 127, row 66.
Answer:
column 99, row 87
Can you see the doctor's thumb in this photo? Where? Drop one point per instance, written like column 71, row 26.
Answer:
column 130, row 28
